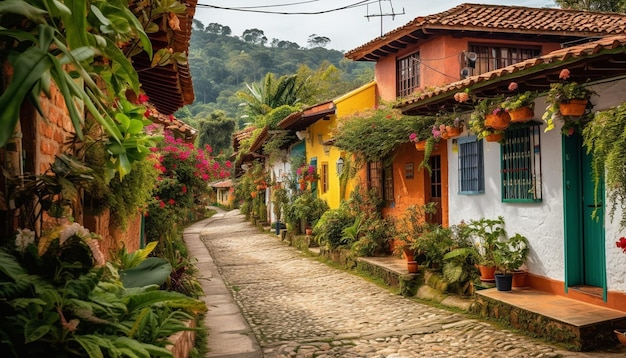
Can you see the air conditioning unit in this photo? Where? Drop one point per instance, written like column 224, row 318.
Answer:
column 470, row 59
column 465, row 72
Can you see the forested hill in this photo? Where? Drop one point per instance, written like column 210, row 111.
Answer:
column 222, row 63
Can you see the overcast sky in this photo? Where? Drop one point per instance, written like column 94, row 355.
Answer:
column 347, row 29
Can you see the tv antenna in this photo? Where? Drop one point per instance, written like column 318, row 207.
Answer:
column 382, row 15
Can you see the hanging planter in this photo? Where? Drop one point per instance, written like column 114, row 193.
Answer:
column 521, row 115
column 420, row 146
column 494, row 137
column 453, row 132
column 573, row 107
column 498, row 121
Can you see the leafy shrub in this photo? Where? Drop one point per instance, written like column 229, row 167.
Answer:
column 330, row 228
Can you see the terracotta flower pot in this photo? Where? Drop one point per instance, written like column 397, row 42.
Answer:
column 453, row 132
column 412, row 266
column 494, row 137
column 420, row 146
column 487, row 273
column 498, row 121
column 573, row 107
column 408, row 255
column 521, row 115
column 621, row 335
column 309, row 232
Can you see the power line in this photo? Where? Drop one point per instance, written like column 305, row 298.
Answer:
column 255, row 9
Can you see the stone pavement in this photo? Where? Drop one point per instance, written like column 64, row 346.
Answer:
column 298, row 307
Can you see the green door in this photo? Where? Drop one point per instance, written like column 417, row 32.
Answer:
column 585, row 260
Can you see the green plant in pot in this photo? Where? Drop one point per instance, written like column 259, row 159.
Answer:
column 415, row 223
column 486, row 233
column 563, row 95
column 509, row 256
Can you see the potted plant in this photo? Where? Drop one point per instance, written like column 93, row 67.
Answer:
column 486, row 233
column 478, row 118
column 509, row 256
column 566, row 100
column 415, row 223
column 520, row 106
column 447, row 126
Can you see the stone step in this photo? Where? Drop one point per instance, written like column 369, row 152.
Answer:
column 579, row 325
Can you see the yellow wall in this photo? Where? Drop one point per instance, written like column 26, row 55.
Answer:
column 359, row 99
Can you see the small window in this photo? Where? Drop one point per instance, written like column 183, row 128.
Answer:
column 324, row 177
column 521, row 164
column 491, row 58
column 408, row 75
column 388, row 183
column 374, row 176
column 471, row 164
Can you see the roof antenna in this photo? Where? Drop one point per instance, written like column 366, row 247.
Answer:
column 381, row 14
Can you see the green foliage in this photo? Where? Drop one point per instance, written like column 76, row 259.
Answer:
column 593, row 5
column 125, row 198
column 276, row 115
column 330, row 230
column 375, row 133
column 433, row 244
column 51, row 192
column 562, row 92
column 477, row 119
column 511, row 254
column 261, row 99
column 150, row 271
column 215, row 131
column 86, row 314
column 416, row 221
column 519, row 100
column 486, row 233
column 605, row 139
column 306, row 208
column 221, row 64
column 125, row 260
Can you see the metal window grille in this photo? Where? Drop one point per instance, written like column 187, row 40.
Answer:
column 388, row 183
column 408, row 76
column 491, row 58
column 471, row 166
column 521, row 164
column 324, row 177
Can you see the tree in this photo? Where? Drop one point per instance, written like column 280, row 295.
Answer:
column 254, row 36
column 593, row 5
column 318, row 41
column 216, row 131
column 271, row 93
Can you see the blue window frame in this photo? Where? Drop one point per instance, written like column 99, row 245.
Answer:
column 471, row 166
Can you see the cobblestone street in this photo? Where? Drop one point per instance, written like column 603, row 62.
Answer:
column 299, row 307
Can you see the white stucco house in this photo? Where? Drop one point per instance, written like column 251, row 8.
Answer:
column 539, row 181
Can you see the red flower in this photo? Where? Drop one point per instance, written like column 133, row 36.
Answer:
column 161, row 204
column 142, row 98
column 621, row 244
column 171, row 201
column 184, row 188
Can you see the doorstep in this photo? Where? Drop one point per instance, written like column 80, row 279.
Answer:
column 581, row 326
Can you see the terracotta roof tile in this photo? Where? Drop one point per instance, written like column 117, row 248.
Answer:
column 558, row 59
column 498, row 18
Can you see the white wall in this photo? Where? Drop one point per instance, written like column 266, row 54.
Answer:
column 541, row 223
column 278, row 171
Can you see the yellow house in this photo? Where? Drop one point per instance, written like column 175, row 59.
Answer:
column 315, row 126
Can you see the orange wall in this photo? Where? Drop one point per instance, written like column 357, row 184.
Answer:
column 409, row 192
column 441, row 60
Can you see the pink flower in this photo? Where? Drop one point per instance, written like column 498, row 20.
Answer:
column 512, row 86
column 461, row 97
column 564, row 75
column 413, row 137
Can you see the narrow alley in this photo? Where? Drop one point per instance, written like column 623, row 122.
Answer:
column 296, row 306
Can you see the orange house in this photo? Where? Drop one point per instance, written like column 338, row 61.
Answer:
column 435, row 50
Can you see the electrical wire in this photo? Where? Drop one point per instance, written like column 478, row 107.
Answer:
column 254, row 9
